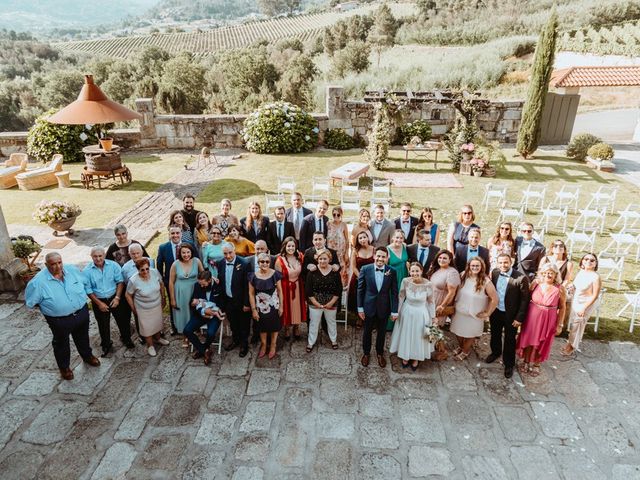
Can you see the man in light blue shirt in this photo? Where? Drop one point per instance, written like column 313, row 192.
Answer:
column 60, row 292
column 105, row 287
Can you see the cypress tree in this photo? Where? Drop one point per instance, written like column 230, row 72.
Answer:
column 529, row 133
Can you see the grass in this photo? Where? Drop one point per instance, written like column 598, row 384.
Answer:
column 254, row 175
column 98, row 206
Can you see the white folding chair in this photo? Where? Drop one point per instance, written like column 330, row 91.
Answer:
column 620, row 245
column 350, row 203
column 613, row 266
column 596, row 318
column 554, row 217
column 381, row 188
column 273, row 200
column 578, row 237
column 494, row 191
column 344, row 308
column 568, row 196
column 629, row 217
column 592, row 219
column 538, row 234
column 633, row 301
column 510, row 214
column 605, row 198
column 286, row 185
column 350, row 185
column 321, row 186
column 312, row 201
column 534, row 196
column 203, row 331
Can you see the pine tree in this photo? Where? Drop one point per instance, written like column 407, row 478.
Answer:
column 529, row 133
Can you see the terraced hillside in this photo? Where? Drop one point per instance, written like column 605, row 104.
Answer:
column 204, row 43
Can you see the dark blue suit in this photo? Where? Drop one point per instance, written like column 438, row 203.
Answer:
column 166, row 258
column 197, row 320
column 233, row 305
column 376, row 304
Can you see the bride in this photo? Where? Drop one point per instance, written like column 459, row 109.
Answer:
column 415, row 312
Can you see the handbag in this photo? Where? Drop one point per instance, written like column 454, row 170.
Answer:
column 448, row 311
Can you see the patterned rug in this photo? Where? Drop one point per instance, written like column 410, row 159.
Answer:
column 423, row 180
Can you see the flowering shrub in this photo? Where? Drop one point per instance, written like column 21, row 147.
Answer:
column 280, row 127
column 419, row 128
column 54, row 211
column 338, row 139
column 601, row 151
column 467, row 147
column 478, row 164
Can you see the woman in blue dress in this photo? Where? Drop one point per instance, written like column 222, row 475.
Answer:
column 182, row 277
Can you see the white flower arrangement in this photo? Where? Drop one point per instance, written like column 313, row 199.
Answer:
column 55, row 211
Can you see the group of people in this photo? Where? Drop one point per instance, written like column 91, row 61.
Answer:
column 267, row 276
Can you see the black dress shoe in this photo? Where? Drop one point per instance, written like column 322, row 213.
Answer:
column 129, row 344
column 491, row 358
column 106, row 350
column 196, row 355
column 508, row 372
column 243, row 352
column 231, row 346
column 255, row 340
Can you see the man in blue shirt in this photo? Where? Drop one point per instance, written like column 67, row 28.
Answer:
column 105, row 288
column 61, row 295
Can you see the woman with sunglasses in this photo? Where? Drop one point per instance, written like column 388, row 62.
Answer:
column 501, row 242
column 338, row 240
column 586, row 285
column 146, row 297
column 459, row 230
column 212, row 251
column 426, row 223
column 265, row 297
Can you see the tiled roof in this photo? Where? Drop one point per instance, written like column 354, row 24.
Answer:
column 628, row 76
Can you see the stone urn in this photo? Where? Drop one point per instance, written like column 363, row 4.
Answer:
column 61, row 226
column 477, row 173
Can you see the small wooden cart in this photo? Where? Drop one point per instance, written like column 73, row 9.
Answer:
column 89, row 177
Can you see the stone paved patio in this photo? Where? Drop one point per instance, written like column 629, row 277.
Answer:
column 318, row 415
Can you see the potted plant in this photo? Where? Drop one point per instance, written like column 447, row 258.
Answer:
column 600, row 156
column 27, row 249
column 58, row 215
column 467, row 150
column 477, row 166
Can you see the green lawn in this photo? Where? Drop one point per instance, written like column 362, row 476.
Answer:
column 98, row 206
column 254, row 175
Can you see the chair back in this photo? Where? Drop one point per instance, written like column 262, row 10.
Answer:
column 56, row 163
column 16, row 159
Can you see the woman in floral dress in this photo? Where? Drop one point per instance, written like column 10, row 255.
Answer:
column 338, row 240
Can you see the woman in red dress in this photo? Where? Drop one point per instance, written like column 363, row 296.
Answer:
column 289, row 263
column 539, row 329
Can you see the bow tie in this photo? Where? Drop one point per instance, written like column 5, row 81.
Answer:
column 473, row 249
column 379, row 269
column 378, row 223
column 229, row 263
column 504, row 275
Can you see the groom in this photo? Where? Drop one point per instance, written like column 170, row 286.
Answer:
column 377, row 299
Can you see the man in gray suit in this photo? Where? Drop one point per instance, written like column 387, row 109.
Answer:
column 296, row 213
column 381, row 229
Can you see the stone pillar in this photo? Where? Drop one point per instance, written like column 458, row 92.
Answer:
column 335, row 97
column 10, row 266
column 148, row 134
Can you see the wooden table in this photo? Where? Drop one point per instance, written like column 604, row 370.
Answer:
column 89, row 177
column 349, row 171
column 423, row 151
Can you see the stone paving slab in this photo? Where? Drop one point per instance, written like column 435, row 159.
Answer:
column 312, row 416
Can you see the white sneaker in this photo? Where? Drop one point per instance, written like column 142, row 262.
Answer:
column 152, row 351
column 163, row 341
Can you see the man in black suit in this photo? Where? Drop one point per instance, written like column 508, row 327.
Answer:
column 316, row 222
column 406, row 222
column 464, row 253
column 529, row 251
column 513, row 302
column 423, row 252
column 296, row 213
column 234, row 297
column 203, row 314
column 377, row 299
column 309, row 262
column 167, row 254
column 278, row 230
column 189, row 213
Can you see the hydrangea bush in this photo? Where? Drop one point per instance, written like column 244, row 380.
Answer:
column 280, row 127
column 54, row 211
column 338, row 139
column 418, row 128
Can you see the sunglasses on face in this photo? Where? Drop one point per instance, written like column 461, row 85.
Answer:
column 505, row 228
column 467, row 213
column 406, row 211
column 526, row 231
column 144, row 270
column 263, row 261
column 592, row 260
column 336, row 215
column 216, row 233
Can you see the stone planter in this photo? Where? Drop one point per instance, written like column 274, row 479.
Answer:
column 477, row 173
column 489, row 172
column 28, row 274
column 60, row 226
column 602, row 165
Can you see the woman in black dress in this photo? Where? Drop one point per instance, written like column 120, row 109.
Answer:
column 265, row 297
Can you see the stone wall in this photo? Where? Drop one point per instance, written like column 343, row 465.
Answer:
column 499, row 122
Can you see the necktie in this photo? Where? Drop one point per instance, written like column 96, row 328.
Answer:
column 421, row 259
column 297, row 221
column 177, row 252
column 319, row 225
column 280, row 231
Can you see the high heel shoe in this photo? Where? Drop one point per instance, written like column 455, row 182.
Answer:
column 262, row 353
column 272, row 355
column 414, row 367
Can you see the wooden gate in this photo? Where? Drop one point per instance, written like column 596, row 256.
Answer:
column 558, row 117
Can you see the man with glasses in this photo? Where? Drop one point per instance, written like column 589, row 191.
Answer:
column 278, row 230
column 296, row 213
column 406, row 222
column 529, row 251
column 316, row 222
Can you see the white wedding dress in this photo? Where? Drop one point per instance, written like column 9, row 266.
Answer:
column 415, row 310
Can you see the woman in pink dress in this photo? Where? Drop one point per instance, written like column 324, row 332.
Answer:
column 294, row 306
column 338, row 240
column 539, row 329
column 445, row 280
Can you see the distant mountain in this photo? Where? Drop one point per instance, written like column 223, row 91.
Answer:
column 36, row 16
column 186, row 10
